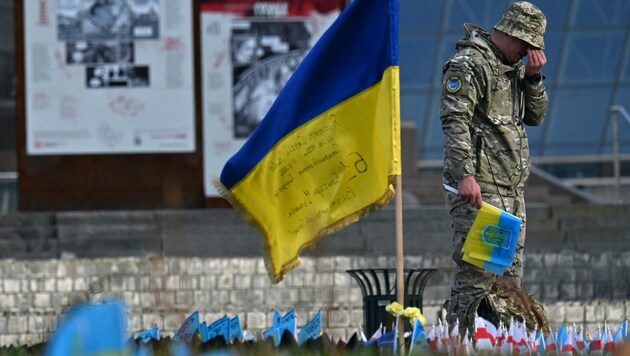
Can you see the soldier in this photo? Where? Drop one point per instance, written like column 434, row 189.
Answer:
column 488, row 94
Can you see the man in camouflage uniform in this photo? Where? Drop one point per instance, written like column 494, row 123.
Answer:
column 488, row 94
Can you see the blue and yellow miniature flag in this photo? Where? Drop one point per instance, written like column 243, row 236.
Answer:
column 492, row 239
column 328, row 150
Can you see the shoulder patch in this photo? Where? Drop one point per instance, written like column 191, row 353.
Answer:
column 453, row 85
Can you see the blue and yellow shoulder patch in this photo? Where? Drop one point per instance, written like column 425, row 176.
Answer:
column 453, row 85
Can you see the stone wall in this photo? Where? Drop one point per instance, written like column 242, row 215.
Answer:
column 164, row 291
column 167, row 264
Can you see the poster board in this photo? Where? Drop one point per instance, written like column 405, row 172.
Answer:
column 109, row 77
column 249, row 50
column 96, row 176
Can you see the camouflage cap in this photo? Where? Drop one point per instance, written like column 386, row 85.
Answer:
column 525, row 21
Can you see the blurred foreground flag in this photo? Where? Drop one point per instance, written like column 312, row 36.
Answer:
column 92, row 329
column 328, row 150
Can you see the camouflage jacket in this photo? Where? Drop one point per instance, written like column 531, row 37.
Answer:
column 484, row 104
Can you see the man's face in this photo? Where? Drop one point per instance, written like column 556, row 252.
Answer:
column 515, row 49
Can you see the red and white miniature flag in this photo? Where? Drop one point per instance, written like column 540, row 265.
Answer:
column 550, row 344
column 520, row 345
column 483, row 338
column 579, row 339
column 455, row 334
column 433, row 339
column 607, row 340
column 465, row 348
column 596, row 343
column 568, row 347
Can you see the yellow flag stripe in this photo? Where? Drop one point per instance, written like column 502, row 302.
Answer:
column 325, row 174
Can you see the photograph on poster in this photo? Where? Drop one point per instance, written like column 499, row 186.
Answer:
column 145, row 18
column 101, row 52
column 264, row 55
column 250, row 48
column 117, row 75
column 245, row 50
column 107, row 19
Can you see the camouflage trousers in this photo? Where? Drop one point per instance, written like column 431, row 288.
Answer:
column 474, row 289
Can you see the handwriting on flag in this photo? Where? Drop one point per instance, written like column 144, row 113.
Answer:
column 221, row 328
column 188, row 329
column 312, row 330
column 328, row 150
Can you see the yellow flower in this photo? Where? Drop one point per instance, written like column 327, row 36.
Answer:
column 394, row 308
column 413, row 313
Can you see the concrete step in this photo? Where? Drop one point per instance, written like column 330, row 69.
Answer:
column 540, row 188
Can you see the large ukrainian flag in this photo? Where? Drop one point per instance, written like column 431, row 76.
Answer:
column 328, row 150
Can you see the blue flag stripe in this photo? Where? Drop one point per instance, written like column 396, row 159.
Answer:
column 337, row 68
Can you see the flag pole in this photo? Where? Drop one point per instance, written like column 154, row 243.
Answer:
column 400, row 285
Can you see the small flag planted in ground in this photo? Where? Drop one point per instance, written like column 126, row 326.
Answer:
column 484, row 339
column 236, row 331
column 455, row 333
column 203, row 331
column 101, row 329
column 220, row 328
column 312, row 330
column 276, row 322
column 148, row 335
column 607, row 340
column 550, row 344
column 540, row 346
column 418, row 338
column 568, row 345
column 376, row 335
column 622, row 333
column 189, row 328
column 92, row 329
column 280, row 325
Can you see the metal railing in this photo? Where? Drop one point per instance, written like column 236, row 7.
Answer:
column 617, row 109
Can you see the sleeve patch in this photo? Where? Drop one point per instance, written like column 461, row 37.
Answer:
column 453, row 85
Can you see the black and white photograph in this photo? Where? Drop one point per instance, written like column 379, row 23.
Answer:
column 117, row 75
column 264, row 54
column 258, row 88
column 107, row 19
column 101, row 52
column 145, row 18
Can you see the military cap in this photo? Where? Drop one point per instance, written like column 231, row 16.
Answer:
column 525, row 21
